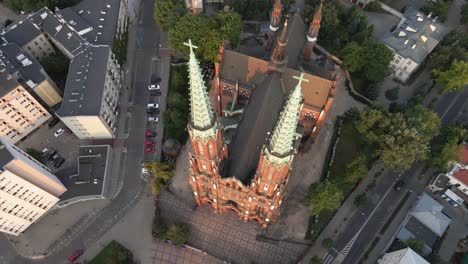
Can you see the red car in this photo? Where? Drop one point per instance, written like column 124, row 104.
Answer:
column 150, row 134
column 75, row 255
column 149, row 150
column 149, row 143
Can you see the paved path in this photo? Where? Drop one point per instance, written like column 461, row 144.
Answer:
column 225, row 236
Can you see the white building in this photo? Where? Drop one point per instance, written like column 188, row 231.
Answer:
column 90, row 103
column 412, row 42
column 20, row 112
column 402, row 256
column 27, row 189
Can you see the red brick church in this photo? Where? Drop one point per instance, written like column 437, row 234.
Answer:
column 245, row 139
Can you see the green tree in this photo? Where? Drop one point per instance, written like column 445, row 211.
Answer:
column 360, row 199
column 178, row 234
column 454, row 78
column 449, row 148
column 36, row 154
column 161, row 173
column 416, row 245
column 464, row 14
column 316, row 260
column 229, row 26
column 168, row 12
column 401, row 137
column 356, row 169
column 377, row 57
column 352, row 57
column 327, row 243
column 438, row 8
column 327, row 196
column 159, row 228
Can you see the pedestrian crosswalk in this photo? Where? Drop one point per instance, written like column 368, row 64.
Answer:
column 330, row 256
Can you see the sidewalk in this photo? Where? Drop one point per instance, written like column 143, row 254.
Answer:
column 338, row 222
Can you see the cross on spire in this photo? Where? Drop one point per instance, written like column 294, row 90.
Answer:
column 301, row 79
column 190, row 45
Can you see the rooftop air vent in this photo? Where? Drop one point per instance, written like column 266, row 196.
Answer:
column 413, row 47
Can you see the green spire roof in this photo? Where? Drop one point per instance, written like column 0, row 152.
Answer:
column 281, row 142
column 201, row 113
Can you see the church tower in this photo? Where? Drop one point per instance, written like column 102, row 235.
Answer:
column 209, row 149
column 313, row 32
column 276, row 158
column 275, row 21
column 279, row 57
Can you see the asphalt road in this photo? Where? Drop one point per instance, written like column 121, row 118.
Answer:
column 361, row 230
column 148, row 37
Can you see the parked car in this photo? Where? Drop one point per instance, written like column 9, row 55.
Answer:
column 59, row 162
column 150, row 134
column 152, row 111
column 154, row 87
column 152, row 106
column 59, row 132
column 155, row 79
column 50, row 154
column 153, row 119
column 149, row 150
column 53, row 122
column 44, row 151
column 55, row 157
column 398, row 185
column 149, row 143
column 73, row 257
column 155, row 93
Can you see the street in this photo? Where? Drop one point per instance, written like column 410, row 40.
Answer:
column 144, row 38
column 362, row 228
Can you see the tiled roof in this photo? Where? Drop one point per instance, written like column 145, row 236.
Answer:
column 462, row 175
column 429, row 212
column 315, row 92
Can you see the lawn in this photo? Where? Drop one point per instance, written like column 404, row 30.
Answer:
column 348, row 148
column 177, row 110
column 113, row 253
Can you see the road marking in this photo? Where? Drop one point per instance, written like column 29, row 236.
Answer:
column 450, row 106
column 350, row 244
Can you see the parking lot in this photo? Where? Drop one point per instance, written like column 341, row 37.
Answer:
column 66, row 145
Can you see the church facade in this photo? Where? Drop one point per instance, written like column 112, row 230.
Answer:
column 245, row 138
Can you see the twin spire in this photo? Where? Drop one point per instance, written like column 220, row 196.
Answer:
column 281, row 142
column 201, row 112
column 314, row 27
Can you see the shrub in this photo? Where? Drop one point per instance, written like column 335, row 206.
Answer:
column 327, row 243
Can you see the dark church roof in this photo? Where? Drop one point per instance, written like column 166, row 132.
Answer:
column 262, row 111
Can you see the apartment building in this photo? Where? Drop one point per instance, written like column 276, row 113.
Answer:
column 30, row 38
column 27, row 189
column 20, row 112
column 413, row 41
column 28, row 72
column 91, row 101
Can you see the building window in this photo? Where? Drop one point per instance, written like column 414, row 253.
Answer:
column 308, row 117
column 227, row 91
column 243, row 95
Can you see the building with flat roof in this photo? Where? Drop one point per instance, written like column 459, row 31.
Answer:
column 413, row 41
column 20, row 112
column 27, row 189
column 91, row 98
column 27, row 71
column 402, row 256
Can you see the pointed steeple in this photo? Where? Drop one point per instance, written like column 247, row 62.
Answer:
column 281, row 142
column 201, row 113
column 314, row 27
column 275, row 16
column 279, row 56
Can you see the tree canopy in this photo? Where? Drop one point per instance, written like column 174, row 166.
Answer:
column 402, row 137
column 168, row 12
column 464, row 14
column 439, row 8
column 177, row 234
column 206, row 33
column 454, row 78
column 327, row 196
column 356, row 170
column 371, row 58
column 36, row 154
column 56, row 66
column 34, row 5
column 449, row 148
column 177, row 111
column 161, row 173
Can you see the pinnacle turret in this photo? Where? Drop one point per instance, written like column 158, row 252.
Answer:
column 275, row 16
column 279, row 56
column 281, row 142
column 314, row 27
column 201, row 113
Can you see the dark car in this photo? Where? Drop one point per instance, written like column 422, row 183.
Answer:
column 50, row 154
column 152, row 111
column 53, row 122
column 59, row 163
column 155, row 79
column 150, row 134
column 73, row 257
column 55, row 157
column 155, row 92
column 398, row 185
